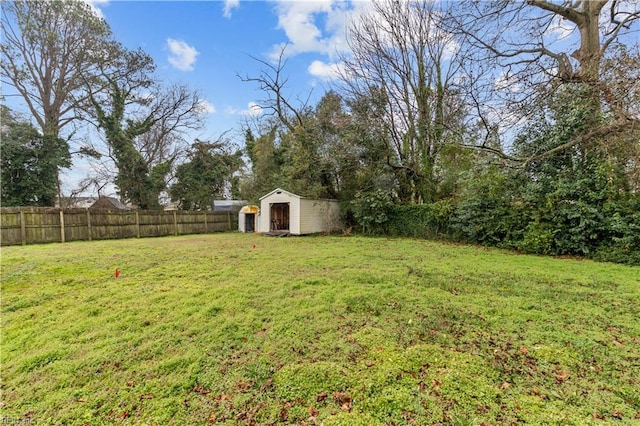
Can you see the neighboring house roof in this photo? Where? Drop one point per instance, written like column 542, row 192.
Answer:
column 228, row 205
column 171, row 205
column 109, row 203
column 76, row 202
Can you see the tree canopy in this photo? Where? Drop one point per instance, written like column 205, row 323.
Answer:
column 48, row 50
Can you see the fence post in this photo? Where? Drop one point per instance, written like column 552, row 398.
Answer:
column 175, row 223
column 229, row 218
column 137, row 224
column 206, row 229
column 89, row 224
column 23, row 229
column 61, row 226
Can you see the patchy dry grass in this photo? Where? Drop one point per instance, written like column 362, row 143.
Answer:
column 314, row 330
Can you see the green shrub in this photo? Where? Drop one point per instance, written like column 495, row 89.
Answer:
column 371, row 210
column 421, row 220
column 538, row 238
column 623, row 224
column 491, row 210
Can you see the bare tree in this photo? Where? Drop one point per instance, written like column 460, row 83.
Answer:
column 518, row 53
column 273, row 82
column 399, row 50
column 47, row 49
column 288, row 126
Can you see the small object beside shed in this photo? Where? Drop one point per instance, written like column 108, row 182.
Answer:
column 248, row 219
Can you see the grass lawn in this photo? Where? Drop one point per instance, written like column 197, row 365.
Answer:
column 314, row 330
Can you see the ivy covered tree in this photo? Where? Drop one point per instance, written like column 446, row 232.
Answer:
column 127, row 105
column 265, row 160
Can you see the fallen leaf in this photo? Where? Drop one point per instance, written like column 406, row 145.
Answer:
column 201, row 390
column 212, row 418
column 342, row 397
column 81, row 399
column 481, row 409
column 124, row 415
column 284, row 415
column 312, row 411
column 562, row 376
column 244, row 386
column 597, row 415
column 524, row 350
column 617, row 415
column 344, row 400
column 321, row 397
column 131, row 383
column 146, row 396
column 265, row 385
column 535, row 391
column 505, row 385
column 370, row 364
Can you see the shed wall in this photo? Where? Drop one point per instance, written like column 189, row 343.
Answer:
column 319, row 216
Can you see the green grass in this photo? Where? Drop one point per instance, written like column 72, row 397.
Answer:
column 315, row 330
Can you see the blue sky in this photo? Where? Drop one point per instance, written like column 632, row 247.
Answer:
column 206, row 44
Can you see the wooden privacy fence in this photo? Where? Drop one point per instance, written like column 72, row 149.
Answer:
column 35, row 225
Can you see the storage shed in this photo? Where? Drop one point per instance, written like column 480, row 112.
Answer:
column 248, row 219
column 283, row 212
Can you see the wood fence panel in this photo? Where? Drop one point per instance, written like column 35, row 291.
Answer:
column 190, row 223
column 155, row 223
column 35, row 225
column 42, row 226
column 76, row 225
column 11, row 228
column 109, row 225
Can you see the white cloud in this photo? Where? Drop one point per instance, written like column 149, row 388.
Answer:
column 314, row 26
column 506, row 82
column 94, row 6
column 559, row 30
column 206, row 107
column 253, row 110
column 229, row 5
column 181, row 56
column 325, row 71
